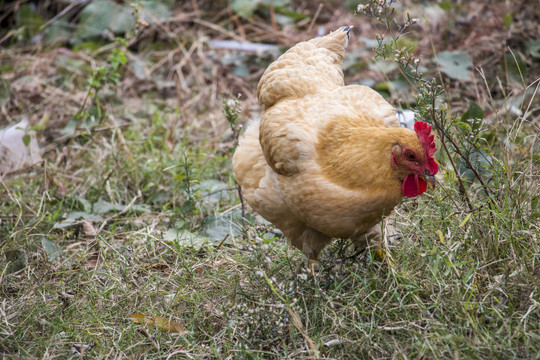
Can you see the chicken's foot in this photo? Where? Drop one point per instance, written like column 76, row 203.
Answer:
column 314, row 266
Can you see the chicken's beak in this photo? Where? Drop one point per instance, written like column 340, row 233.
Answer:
column 430, row 181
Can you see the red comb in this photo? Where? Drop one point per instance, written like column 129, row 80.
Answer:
column 423, row 131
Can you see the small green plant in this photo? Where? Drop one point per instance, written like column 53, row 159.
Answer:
column 110, row 73
column 185, row 177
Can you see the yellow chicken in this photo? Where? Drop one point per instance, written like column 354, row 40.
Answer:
column 327, row 160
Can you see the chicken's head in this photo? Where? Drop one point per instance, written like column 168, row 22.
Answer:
column 414, row 161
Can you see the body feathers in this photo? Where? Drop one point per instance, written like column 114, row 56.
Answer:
column 320, row 164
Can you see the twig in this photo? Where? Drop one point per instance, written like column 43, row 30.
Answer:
column 243, row 211
column 315, row 17
column 217, row 28
column 123, row 211
column 222, row 241
column 64, row 12
column 440, row 127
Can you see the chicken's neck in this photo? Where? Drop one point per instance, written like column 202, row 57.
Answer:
column 360, row 158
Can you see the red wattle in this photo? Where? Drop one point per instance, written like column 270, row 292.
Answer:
column 410, row 186
column 413, row 186
column 422, row 186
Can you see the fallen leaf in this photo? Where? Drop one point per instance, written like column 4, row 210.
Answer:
column 52, row 250
column 62, row 189
column 184, row 238
column 456, row 64
column 73, row 217
column 92, row 262
column 88, row 228
column 71, row 247
column 158, row 322
column 16, row 260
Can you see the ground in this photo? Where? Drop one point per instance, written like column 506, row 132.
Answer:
column 128, row 238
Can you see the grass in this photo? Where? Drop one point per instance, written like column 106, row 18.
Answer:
column 461, row 286
column 464, row 284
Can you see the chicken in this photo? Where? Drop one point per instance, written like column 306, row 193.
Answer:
column 326, row 160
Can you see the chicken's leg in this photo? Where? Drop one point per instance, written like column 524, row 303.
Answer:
column 311, row 242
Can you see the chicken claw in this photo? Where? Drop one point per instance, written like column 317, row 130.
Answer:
column 314, row 266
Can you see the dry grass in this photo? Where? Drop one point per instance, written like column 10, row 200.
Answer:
column 464, row 284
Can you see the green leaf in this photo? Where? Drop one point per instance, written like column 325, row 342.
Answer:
column 51, row 249
column 59, row 32
column 241, row 70
column 217, row 227
column 28, row 18
column 534, row 202
column 245, row 8
column 481, row 162
column 123, row 21
column 213, row 191
column 74, row 218
column 153, row 11
column 455, row 64
column 83, row 203
column 184, row 238
column 383, row 66
column 101, row 15
column 515, row 67
column 474, row 113
column 103, row 207
column 446, row 5
column 26, row 139
column 17, row 260
column 287, row 16
column 533, row 48
column 508, row 20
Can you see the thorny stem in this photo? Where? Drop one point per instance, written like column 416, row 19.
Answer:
column 469, row 164
column 440, row 127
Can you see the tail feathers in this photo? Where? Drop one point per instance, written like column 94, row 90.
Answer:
column 346, row 29
column 305, row 69
column 336, row 41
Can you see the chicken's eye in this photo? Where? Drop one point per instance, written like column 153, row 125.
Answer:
column 410, row 155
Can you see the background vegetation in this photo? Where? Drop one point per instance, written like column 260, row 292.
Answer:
column 127, row 239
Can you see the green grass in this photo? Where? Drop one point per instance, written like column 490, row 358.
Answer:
column 463, row 284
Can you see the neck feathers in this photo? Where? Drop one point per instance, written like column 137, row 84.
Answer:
column 356, row 157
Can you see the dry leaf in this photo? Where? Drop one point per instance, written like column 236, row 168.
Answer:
column 92, row 262
column 158, row 322
column 88, row 228
column 72, row 247
column 62, row 189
